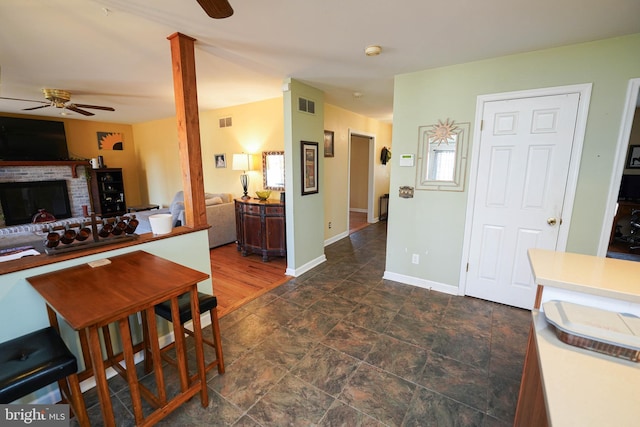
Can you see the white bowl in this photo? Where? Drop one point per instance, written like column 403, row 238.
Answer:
column 160, row 223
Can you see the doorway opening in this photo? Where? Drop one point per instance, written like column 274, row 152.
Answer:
column 361, row 181
column 620, row 236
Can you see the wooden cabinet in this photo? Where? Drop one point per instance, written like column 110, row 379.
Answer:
column 260, row 228
column 107, row 192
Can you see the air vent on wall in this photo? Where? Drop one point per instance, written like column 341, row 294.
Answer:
column 306, row 105
column 225, row 122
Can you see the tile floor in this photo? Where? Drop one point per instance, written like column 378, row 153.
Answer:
column 339, row 346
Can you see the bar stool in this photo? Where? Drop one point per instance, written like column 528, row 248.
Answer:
column 206, row 303
column 33, row 361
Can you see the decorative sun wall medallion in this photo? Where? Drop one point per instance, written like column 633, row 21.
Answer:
column 443, row 132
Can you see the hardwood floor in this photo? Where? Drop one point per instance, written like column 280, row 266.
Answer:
column 357, row 221
column 238, row 280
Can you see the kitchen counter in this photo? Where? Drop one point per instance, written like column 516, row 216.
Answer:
column 584, row 388
column 598, row 276
column 563, row 385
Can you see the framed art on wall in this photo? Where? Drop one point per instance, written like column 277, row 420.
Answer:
column 633, row 159
column 328, row 143
column 220, row 160
column 309, row 152
column 110, row 141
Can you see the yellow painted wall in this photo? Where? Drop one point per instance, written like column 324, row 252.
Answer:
column 256, row 127
column 158, row 160
column 336, row 203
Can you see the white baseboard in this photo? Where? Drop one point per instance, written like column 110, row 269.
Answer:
column 306, row 267
column 336, row 238
column 421, row 283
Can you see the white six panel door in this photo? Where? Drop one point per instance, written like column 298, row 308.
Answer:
column 525, row 150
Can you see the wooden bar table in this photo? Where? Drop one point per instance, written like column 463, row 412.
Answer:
column 89, row 297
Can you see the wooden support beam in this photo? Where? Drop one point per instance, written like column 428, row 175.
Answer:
column 186, row 98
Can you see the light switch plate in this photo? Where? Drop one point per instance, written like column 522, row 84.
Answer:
column 406, row 192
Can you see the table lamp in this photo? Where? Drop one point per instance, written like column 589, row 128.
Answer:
column 242, row 163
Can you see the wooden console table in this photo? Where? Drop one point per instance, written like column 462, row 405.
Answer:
column 260, row 228
column 89, row 298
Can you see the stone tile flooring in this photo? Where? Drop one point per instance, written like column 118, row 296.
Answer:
column 340, row 346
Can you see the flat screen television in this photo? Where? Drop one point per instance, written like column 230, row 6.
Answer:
column 32, row 140
column 629, row 188
column 22, row 200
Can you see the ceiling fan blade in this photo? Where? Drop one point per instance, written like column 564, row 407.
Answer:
column 75, row 108
column 217, row 9
column 20, row 99
column 94, row 107
column 37, row 108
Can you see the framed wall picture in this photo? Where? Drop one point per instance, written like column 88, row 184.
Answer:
column 110, row 141
column 220, row 160
column 310, row 181
column 633, row 158
column 328, row 143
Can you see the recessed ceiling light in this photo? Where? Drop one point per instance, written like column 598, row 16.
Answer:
column 357, row 94
column 372, row 50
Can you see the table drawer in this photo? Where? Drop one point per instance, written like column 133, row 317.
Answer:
column 274, row 210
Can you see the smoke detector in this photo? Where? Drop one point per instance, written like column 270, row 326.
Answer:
column 372, row 50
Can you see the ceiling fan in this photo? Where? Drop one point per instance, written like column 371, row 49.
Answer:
column 217, row 9
column 60, row 99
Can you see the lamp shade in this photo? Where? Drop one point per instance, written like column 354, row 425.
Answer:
column 240, row 162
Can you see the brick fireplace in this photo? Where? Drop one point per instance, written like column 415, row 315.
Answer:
column 78, row 190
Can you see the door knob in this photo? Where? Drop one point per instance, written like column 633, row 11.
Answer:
column 552, row 221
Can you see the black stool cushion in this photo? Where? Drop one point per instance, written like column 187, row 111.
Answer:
column 205, row 302
column 33, row 361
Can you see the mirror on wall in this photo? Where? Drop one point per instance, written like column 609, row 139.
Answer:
column 273, row 170
column 442, row 156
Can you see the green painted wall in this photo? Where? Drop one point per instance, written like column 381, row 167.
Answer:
column 432, row 223
column 305, row 214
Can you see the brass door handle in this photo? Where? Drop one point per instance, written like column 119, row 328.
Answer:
column 552, row 221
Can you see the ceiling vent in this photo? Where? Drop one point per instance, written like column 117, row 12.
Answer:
column 225, row 122
column 306, row 105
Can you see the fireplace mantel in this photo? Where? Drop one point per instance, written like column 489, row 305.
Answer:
column 73, row 164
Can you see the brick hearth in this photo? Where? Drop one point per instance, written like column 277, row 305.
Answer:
column 77, row 187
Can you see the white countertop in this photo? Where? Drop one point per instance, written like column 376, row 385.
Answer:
column 604, row 277
column 584, row 388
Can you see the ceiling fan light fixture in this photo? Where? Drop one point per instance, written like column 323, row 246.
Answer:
column 58, row 97
column 373, row 50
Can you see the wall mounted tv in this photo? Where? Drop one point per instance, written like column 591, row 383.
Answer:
column 32, row 140
column 22, row 200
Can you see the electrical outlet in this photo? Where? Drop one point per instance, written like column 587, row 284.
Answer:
column 329, row 224
column 415, row 258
